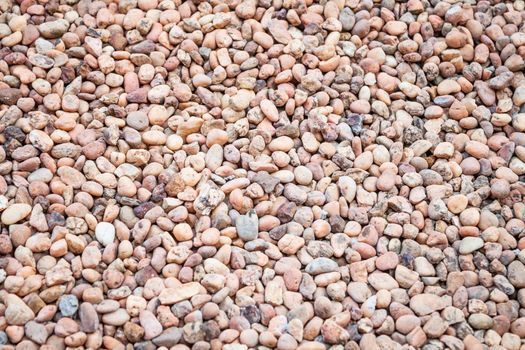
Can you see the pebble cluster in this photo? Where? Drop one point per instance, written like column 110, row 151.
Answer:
column 269, row 174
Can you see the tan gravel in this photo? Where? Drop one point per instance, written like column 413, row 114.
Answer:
column 257, row 174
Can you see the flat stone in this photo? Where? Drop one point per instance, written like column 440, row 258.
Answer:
column 381, row 280
column 425, row 304
column 169, row 337
column 470, row 244
column 15, row 212
column 170, row 296
column 54, row 29
column 321, row 265
column 116, row 318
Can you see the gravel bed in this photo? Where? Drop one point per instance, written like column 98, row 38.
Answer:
column 257, row 174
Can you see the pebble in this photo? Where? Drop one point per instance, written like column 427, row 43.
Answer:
column 348, row 188
column 3, row 338
column 183, row 292
column 68, row 305
column 17, row 312
column 470, row 244
column 116, row 318
column 105, row 233
column 15, row 212
column 36, row 332
column 53, row 29
column 425, row 304
column 247, row 226
column 151, row 325
column 321, row 265
column 89, row 321
column 10, row 96
column 516, row 275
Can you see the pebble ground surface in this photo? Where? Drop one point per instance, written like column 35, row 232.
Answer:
column 262, row 174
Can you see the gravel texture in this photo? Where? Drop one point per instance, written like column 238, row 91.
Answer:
column 257, row 174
